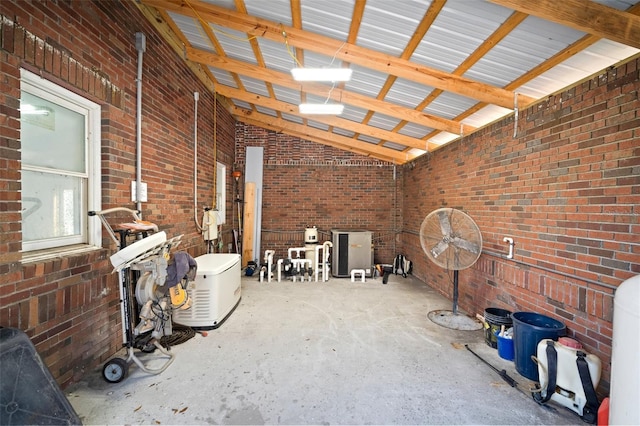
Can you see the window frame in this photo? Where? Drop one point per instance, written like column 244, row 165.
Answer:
column 91, row 233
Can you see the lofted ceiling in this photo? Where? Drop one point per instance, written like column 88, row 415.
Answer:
column 425, row 72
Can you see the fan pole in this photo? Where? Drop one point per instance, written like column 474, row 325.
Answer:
column 455, row 292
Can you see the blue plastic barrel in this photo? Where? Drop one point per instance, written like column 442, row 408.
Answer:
column 529, row 329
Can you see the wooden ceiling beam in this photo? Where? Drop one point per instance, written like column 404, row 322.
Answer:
column 354, row 28
column 427, row 20
column 545, row 66
column 505, row 29
column 319, row 136
column 329, row 120
column 240, row 6
column 156, row 18
column 343, row 96
column 345, row 51
column 587, row 16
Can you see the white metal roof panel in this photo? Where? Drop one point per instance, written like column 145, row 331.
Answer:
column 486, row 115
column 382, row 121
column 317, row 125
column 415, row 130
column 386, row 27
column 242, row 104
column 531, row 43
column 343, row 132
column 368, row 139
column 407, row 93
column 393, row 145
column 365, row 81
column 458, row 30
column 275, row 56
column 353, row 113
column 193, row 31
column 330, row 18
column 253, row 85
column 285, row 94
column 223, row 77
column 449, row 105
column 276, row 10
column 266, row 111
column 293, row 118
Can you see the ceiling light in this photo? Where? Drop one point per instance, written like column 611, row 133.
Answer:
column 321, row 74
column 334, row 109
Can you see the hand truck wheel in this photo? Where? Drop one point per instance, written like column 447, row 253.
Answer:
column 115, row 370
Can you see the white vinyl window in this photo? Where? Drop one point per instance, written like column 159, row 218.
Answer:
column 60, row 137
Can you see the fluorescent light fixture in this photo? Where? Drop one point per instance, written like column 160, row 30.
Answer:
column 321, row 74
column 334, row 109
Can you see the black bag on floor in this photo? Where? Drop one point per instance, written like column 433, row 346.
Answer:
column 402, row 266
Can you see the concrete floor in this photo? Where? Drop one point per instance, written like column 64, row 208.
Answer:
column 323, row 353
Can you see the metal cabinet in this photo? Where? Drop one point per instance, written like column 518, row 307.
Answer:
column 352, row 249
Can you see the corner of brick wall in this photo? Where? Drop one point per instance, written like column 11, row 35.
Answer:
column 566, row 189
column 307, row 184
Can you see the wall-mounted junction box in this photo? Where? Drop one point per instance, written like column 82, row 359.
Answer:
column 143, row 192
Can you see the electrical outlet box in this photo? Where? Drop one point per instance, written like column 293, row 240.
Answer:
column 143, row 192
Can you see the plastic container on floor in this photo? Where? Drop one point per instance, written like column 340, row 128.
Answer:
column 505, row 347
column 625, row 347
column 494, row 319
column 603, row 413
column 529, row 328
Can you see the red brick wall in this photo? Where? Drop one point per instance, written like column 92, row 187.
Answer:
column 69, row 306
column 306, row 184
column 566, row 189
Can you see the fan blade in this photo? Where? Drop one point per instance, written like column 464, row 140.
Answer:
column 465, row 245
column 439, row 248
column 445, row 224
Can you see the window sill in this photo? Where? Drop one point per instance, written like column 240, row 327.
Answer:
column 48, row 254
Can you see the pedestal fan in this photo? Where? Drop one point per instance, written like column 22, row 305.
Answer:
column 452, row 240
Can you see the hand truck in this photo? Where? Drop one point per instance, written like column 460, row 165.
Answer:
column 145, row 258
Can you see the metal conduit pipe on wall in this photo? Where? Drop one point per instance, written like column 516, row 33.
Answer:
column 141, row 46
column 196, row 97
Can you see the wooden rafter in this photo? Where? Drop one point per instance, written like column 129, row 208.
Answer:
column 328, row 120
column 354, row 28
column 348, row 52
column 545, row 66
column 597, row 20
column 507, row 26
column 319, row 136
column 170, row 34
column 587, row 16
column 336, row 94
column 296, row 20
column 240, row 6
column 427, row 20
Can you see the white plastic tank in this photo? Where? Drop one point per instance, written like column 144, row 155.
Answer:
column 569, row 390
column 310, row 243
column 624, row 408
column 311, row 235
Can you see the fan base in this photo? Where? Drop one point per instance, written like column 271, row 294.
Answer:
column 454, row 321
